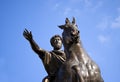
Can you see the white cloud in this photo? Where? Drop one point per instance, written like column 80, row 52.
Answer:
column 104, row 24
column 75, row 7
column 56, row 6
column 118, row 10
column 98, row 5
column 116, row 23
column 107, row 22
column 67, row 11
column 71, row 12
column 92, row 6
column 103, row 39
column 88, row 3
column 75, row 1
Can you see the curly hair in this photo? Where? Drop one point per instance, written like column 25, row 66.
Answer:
column 53, row 37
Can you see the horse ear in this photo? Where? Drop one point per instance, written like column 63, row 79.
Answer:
column 73, row 21
column 67, row 21
column 61, row 26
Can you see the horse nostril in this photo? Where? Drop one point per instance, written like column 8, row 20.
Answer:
column 72, row 34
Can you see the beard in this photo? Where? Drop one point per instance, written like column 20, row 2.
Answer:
column 58, row 46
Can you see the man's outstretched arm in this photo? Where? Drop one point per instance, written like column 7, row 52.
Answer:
column 34, row 46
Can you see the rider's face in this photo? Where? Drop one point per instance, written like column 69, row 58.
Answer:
column 57, row 42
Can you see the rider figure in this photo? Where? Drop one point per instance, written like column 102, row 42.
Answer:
column 52, row 60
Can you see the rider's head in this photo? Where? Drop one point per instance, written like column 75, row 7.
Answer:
column 56, row 42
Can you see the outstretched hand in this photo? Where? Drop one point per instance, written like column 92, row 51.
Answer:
column 27, row 34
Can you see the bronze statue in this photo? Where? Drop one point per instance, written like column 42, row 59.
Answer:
column 71, row 65
column 78, row 67
column 51, row 60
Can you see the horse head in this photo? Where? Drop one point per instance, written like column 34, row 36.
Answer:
column 70, row 32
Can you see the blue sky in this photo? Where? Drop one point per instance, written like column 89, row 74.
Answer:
column 98, row 22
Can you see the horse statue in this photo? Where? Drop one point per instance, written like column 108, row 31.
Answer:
column 79, row 67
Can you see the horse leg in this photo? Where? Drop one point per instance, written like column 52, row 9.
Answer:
column 79, row 77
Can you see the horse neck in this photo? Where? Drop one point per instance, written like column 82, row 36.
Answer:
column 73, row 50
